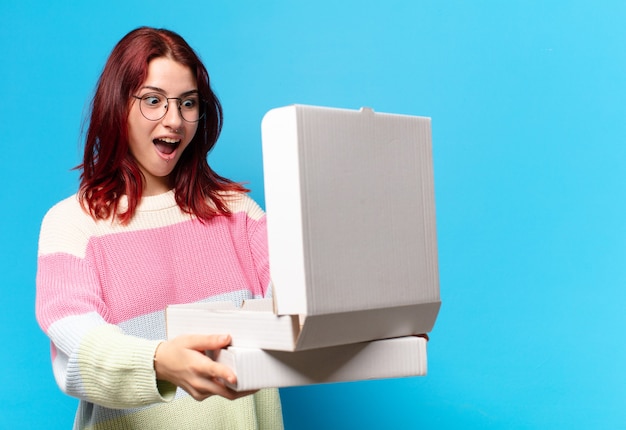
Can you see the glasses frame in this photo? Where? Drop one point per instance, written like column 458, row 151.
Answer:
column 201, row 104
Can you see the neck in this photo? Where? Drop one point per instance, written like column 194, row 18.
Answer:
column 156, row 186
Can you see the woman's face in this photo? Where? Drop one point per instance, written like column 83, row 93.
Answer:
column 158, row 144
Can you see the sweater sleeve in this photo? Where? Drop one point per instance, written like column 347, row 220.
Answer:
column 91, row 359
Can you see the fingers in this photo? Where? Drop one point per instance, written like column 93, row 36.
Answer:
column 210, row 369
column 202, row 388
column 217, row 371
column 187, row 353
column 210, row 387
column 201, row 342
column 183, row 362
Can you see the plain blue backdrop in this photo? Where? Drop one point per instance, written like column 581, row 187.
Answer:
column 527, row 100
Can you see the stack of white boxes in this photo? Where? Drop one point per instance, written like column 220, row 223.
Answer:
column 353, row 253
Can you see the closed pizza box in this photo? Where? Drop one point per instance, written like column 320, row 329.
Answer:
column 351, row 232
column 391, row 358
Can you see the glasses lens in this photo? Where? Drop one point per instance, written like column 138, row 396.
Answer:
column 190, row 108
column 153, row 106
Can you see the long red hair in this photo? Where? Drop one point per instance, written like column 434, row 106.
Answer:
column 109, row 171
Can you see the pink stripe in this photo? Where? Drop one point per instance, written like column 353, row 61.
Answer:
column 129, row 274
column 66, row 285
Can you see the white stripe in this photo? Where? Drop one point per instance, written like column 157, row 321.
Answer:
column 67, row 228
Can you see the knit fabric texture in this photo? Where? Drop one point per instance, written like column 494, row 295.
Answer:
column 102, row 290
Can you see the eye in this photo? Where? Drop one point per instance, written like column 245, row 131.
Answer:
column 189, row 103
column 153, row 100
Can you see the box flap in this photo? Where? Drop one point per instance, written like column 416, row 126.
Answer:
column 359, row 326
column 351, row 213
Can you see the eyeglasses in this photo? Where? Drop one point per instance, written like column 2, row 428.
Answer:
column 153, row 106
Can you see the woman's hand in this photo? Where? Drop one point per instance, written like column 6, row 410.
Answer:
column 182, row 362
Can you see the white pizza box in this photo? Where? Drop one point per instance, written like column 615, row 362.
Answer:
column 351, row 234
column 391, row 358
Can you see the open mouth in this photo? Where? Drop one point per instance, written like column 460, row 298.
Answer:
column 165, row 145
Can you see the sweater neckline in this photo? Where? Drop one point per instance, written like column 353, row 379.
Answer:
column 157, row 202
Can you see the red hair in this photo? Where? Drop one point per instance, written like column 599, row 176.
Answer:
column 109, row 171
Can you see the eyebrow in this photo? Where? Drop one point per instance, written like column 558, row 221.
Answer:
column 161, row 90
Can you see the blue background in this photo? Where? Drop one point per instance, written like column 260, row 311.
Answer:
column 527, row 101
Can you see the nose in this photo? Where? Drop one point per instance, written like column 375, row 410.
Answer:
column 173, row 117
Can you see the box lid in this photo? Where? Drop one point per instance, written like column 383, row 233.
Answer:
column 351, row 213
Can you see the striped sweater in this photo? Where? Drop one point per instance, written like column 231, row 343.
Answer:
column 102, row 289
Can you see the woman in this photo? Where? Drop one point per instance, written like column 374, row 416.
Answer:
column 152, row 224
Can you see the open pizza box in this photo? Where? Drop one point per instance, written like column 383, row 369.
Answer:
column 351, row 235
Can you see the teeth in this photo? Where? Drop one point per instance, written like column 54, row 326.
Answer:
column 168, row 140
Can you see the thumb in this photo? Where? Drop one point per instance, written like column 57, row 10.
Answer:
column 201, row 342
